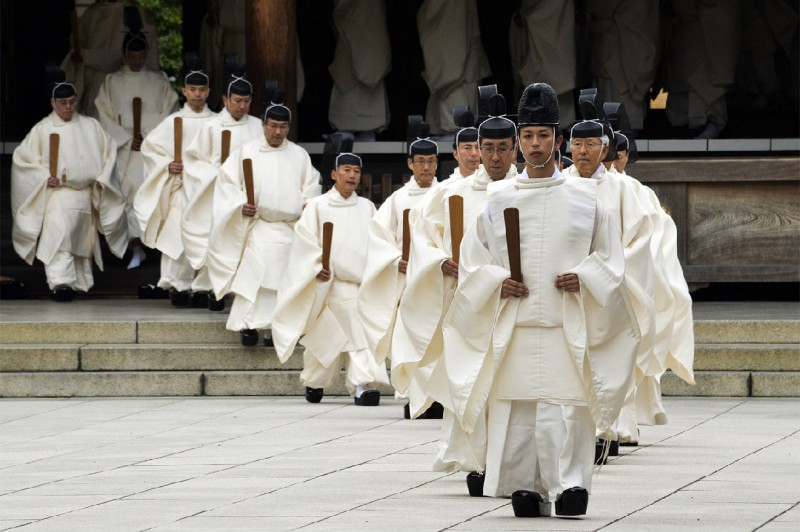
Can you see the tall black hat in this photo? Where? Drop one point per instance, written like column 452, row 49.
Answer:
column 591, row 110
column 497, row 126
column 538, row 106
column 617, row 116
column 134, row 40
column 418, row 135
column 235, row 81
column 465, row 120
column 274, row 103
column 193, row 73
column 57, row 82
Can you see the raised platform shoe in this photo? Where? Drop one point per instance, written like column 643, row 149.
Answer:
column 475, row 484
column 368, row 398
column 529, row 504
column 178, row 299
column 249, row 337
column 572, row 502
column 214, row 304
column 199, row 299
column 63, row 294
column 314, row 395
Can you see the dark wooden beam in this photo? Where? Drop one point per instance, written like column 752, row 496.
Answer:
column 271, row 54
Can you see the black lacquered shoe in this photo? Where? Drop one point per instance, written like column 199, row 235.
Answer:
column 314, row 395
column 214, row 304
column 199, row 299
column 146, row 291
column 435, row 411
column 475, row 484
column 572, row 502
column 249, row 337
column 64, row 294
column 368, row 398
column 178, row 299
column 407, row 411
column 529, row 504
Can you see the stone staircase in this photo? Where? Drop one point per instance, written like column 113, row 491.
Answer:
column 145, row 348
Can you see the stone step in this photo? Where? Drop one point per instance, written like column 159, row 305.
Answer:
column 774, row 331
column 166, row 383
column 142, row 357
column 734, row 384
column 208, row 328
column 753, row 357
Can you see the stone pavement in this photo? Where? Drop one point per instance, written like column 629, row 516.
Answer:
column 279, row 463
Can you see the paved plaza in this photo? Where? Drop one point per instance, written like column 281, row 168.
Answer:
column 279, row 463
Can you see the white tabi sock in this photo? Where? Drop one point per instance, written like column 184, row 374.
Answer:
column 138, row 256
column 360, row 389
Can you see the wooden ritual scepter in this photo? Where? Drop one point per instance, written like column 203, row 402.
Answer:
column 327, row 239
column 137, row 118
column 247, row 167
column 54, row 142
column 178, row 131
column 226, row 146
column 456, row 205
column 511, row 216
column 406, row 235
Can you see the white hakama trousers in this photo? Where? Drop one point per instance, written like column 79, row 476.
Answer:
column 177, row 274
column 201, row 282
column 256, row 314
column 537, row 446
column 361, row 367
column 459, row 450
column 66, row 269
column 642, row 407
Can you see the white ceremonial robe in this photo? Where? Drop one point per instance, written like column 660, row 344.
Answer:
column 674, row 345
column 383, row 283
column 548, row 367
column 424, row 304
column 200, row 169
column 59, row 225
column 625, row 50
column 542, row 41
column 115, row 109
column 159, row 203
column 101, row 30
column 455, row 62
column 248, row 255
column 326, row 313
column 360, row 63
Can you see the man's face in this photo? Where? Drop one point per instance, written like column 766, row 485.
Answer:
column 275, row 131
column 424, row 168
column 196, row 96
column 468, row 157
column 237, row 105
column 497, row 156
column 538, row 144
column 587, row 154
column 622, row 160
column 135, row 60
column 64, row 107
column 346, row 177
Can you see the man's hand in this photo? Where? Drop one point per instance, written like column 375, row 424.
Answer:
column 450, row 267
column 53, row 182
column 403, row 266
column 511, row 288
column 175, row 168
column 249, row 210
column 98, row 185
column 324, row 275
column 136, row 144
column 568, row 282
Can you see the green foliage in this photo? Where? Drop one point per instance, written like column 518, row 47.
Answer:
column 167, row 15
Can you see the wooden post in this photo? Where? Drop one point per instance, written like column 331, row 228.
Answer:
column 511, row 216
column 137, row 117
column 271, row 38
column 247, row 168
column 327, row 239
column 456, row 205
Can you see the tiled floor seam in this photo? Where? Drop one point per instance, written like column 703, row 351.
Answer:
column 774, row 517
